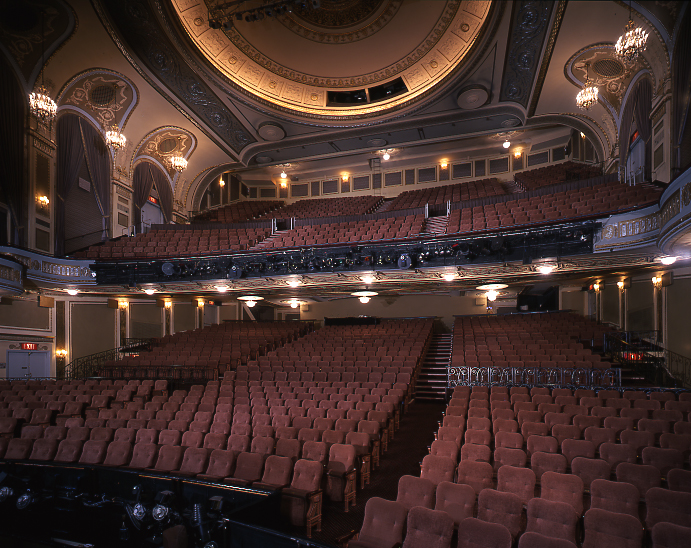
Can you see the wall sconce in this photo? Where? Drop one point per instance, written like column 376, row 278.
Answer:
column 284, row 184
column 657, row 282
column 582, row 135
column 620, row 285
column 61, row 353
column 43, row 201
column 517, row 154
column 221, row 182
column 345, row 177
column 123, row 305
column 444, row 164
column 596, row 287
column 168, row 304
column 200, row 303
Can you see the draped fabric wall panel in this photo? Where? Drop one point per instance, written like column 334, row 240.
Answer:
column 98, row 163
column 142, row 181
column 165, row 193
column 643, row 94
column 681, row 93
column 12, row 188
column 70, row 152
column 644, row 103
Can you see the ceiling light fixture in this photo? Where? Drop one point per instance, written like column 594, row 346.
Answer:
column 668, row 260
column 294, row 303
column 250, row 300
column 178, row 163
column 492, row 295
column 488, row 287
column 40, row 103
column 72, row 292
column 632, row 43
column 114, row 139
column 545, row 269
column 149, row 291
column 293, row 282
column 284, row 175
column 368, row 278
column 506, row 144
column 587, row 97
column 222, row 288
column 449, row 276
column 364, row 296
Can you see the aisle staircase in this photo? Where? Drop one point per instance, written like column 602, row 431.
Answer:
column 431, row 381
column 435, row 226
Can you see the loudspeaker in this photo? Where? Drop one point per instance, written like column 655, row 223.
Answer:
column 113, row 303
column 46, row 302
column 667, row 279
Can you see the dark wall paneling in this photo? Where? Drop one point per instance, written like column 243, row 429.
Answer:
column 93, row 329
column 427, row 174
column 361, row 182
column 330, row 187
column 499, row 165
column 83, row 221
column 459, row 171
column 393, row 179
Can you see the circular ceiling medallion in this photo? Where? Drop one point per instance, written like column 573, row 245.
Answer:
column 166, row 146
column 491, row 287
column 264, row 159
column 341, row 21
column 347, row 59
column 511, row 122
column 377, row 143
column 472, row 97
column 271, row 131
column 608, row 67
column 102, row 95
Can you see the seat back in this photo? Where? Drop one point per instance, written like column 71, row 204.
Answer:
column 118, row 453
column 307, row 475
column 194, row 461
column 414, row 491
column 429, row 528
column 383, row 523
column 475, row 533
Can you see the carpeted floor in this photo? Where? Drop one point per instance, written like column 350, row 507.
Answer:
column 405, row 453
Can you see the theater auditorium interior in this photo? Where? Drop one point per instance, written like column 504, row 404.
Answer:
column 345, row 273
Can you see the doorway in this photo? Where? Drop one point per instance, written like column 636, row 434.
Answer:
column 28, row 363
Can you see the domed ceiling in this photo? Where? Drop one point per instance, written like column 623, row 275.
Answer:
column 395, row 52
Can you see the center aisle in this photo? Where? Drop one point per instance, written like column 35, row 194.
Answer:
column 406, row 451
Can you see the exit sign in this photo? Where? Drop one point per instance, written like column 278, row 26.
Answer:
column 29, row 346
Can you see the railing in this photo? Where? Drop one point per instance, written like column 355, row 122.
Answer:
column 642, row 352
column 552, row 377
column 88, row 366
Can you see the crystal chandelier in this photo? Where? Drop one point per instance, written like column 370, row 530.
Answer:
column 114, row 139
column 40, row 103
column 178, row 163
column 587, row 97
column 632, row 43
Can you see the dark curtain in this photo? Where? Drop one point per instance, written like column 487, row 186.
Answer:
column 165, row 193
column 644, row 101
column 642, row 93
column 142, row 181
column 12, row 189
column 98, row 164
column 70, row 152
column 681, row 94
